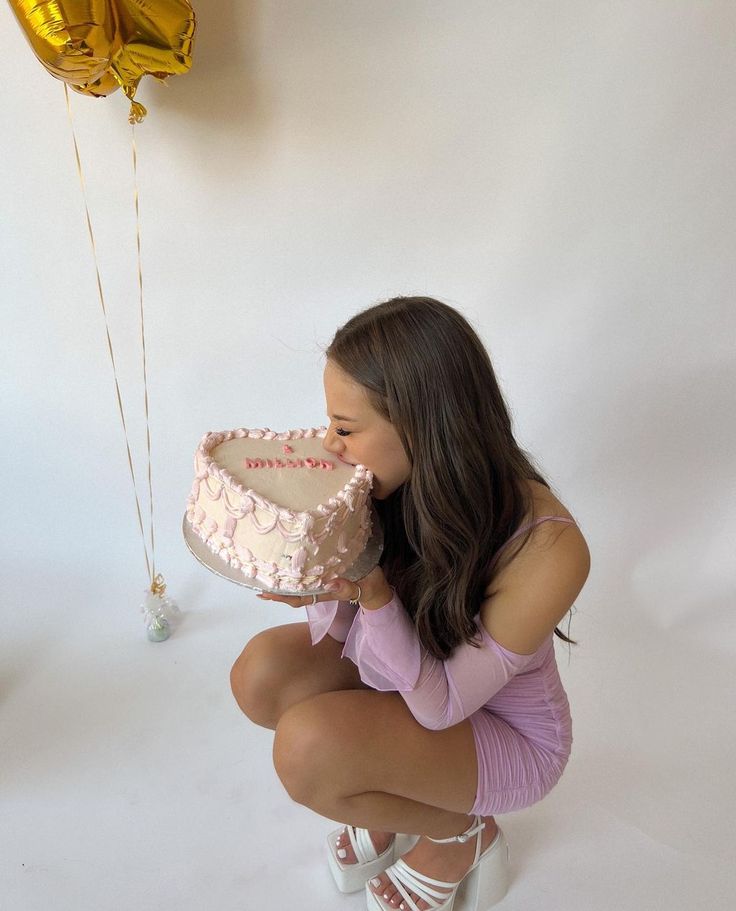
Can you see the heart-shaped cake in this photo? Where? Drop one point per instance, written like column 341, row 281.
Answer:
column 278, row 508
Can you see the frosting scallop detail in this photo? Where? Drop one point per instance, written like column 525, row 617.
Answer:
column 274, row 545
column 298, row 559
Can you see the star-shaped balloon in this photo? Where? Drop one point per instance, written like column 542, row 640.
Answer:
column 98, row 46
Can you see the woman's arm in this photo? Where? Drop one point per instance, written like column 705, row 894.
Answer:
column 333, row 618
column 532, row 600
column 386, row 649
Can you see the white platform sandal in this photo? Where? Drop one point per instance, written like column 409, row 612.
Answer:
column 353, row 877
column 483, row 885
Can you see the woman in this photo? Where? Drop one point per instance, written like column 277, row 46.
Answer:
column 451, row 705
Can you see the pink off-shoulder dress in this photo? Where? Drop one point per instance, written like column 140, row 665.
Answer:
column 516, row 704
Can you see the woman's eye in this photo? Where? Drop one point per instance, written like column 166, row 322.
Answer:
column 342, row 433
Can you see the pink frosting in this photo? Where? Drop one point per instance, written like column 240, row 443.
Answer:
column 240, row 501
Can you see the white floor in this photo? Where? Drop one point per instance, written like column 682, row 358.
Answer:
column 130, row 779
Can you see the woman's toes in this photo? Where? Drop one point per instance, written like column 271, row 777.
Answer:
column 397, row 901
column 378, row 884
column 385, row 888
column 391, row 895
column 423, row 906
column 346, row 853
column 344, row 849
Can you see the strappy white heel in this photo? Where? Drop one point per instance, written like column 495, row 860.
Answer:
column 353, row 877
column 483, row 885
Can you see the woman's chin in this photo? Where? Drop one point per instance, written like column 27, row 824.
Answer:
column 380, row 492
column 376, row 491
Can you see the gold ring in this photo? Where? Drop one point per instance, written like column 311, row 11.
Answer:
column 356, row 599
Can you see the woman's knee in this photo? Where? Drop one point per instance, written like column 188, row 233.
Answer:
column 255, row 681
column 280, row 667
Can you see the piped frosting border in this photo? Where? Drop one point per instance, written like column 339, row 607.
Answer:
column 205, row 466
column 293, row 525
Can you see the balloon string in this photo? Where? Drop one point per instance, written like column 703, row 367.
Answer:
column 107, row 331
column 143, row 346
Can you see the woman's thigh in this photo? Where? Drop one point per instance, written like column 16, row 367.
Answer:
column 280, row 667
column 339, row 745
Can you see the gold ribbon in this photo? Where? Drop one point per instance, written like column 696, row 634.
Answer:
column 158, row 586
column 157, row 583
column 137, row 113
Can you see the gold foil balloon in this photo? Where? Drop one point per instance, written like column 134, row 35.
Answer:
column 97, row 46
column 73, row 39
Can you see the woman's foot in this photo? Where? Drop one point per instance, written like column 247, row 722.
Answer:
column 381, row 840
column 447, row 862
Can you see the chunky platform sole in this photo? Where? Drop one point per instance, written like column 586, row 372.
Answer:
column 487, row 883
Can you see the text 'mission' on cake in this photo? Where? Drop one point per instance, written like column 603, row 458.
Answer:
column 278, row 508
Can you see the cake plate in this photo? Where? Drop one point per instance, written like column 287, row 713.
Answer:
column 365, row 562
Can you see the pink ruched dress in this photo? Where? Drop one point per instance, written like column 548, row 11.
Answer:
column 516, row 704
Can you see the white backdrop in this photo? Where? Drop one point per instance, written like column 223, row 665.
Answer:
column 562, row 173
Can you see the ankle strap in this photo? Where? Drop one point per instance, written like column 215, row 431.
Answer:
column 475, row 826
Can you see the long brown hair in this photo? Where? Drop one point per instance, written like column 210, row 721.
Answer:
column 426, row 371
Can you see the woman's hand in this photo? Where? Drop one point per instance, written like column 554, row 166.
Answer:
column 375, row 592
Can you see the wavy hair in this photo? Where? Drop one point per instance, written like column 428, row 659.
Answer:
column 425, row 370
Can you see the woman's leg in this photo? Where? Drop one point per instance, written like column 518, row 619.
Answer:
column 362, row 758
column 280, row 667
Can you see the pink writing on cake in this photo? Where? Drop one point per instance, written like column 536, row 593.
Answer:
column 289, row 463
column 287, row 449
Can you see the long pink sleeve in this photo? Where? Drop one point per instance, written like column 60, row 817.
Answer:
column 333, row 617
column 383, row 644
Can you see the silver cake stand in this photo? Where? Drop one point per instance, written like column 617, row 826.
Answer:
column 365, row 562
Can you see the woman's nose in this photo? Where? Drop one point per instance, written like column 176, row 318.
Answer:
column 331, row 442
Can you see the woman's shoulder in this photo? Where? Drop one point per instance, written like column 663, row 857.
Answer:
column 545, row 504
column 536, row 587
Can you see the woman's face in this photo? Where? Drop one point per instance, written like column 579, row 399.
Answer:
column 358, row 434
